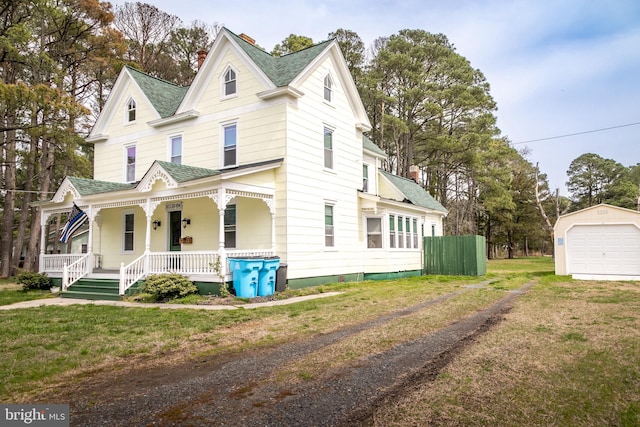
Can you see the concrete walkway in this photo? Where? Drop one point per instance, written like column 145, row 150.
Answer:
column 72, row 301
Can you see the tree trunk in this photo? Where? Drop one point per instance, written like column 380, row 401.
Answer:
column 6, row 240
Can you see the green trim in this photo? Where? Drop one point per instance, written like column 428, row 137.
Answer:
column 354, row 277
column 208, row 288
column 392, row 275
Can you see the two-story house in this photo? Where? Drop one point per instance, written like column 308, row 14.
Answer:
column 259, row 156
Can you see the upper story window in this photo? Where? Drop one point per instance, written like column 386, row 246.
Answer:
column 175, row 149
column 229, row 82
column 131, row 110
column 329, row 236
column 328, row 87
column 230, row 145
column 130, row 163
column 328, row 148
column 365, row 178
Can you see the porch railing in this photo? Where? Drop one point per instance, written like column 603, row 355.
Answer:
column 187, row 263
column 56, row 263
column 131, row 273
column 75, row 271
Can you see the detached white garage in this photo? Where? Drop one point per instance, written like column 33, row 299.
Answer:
column 598, row 243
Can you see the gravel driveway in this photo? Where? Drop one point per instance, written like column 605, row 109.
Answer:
column 232, row 391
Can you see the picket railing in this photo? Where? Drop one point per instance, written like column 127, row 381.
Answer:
column 55, row 263
column 75, row 271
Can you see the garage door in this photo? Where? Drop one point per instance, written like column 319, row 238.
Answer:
column 603, row 249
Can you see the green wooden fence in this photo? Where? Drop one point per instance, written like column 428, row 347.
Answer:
column 455, row 255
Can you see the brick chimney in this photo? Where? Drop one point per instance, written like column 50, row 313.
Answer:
column 202, row 55
column 248, row 39
column 414, row 172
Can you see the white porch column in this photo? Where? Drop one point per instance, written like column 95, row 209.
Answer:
column 43, row 239
column 90, row 240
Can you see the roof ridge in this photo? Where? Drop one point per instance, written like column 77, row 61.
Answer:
column 129, row 67
column 315, row 45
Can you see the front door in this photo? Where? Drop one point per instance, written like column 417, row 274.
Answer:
column 175, row 218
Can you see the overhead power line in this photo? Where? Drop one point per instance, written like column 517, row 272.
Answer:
column 577, row 133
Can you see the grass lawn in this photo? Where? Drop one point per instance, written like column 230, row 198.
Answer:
column 567, row 353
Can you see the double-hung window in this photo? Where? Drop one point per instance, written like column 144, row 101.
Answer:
column 400, row 233
column 392, row 231
column 329, row 236
column 415, row 233
column 328, row 87
column 229, row 82
column 130, row 163
column 230, row 147
column 230, row 226
column 408, row 231
column 328, row 148
column 127, row 238
column 131, row 111
column 374, row 232
column 175, row 147
column 365, row 178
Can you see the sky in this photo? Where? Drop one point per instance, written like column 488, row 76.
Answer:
column 556, row 67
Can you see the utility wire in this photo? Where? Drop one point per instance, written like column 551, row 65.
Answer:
column 577, row 133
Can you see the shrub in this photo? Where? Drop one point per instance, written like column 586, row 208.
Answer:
column 30, row 280
column 168, row 286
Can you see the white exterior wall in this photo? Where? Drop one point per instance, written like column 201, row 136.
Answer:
column 261, row 128
column 309, row 185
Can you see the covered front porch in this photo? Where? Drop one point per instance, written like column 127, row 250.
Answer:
column 191, row 230
column 198, row 266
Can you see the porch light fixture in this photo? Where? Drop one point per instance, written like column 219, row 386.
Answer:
column 156, row 224
column 185, row 222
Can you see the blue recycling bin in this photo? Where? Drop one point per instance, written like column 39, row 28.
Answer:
column 246, row 272
column 267, row 277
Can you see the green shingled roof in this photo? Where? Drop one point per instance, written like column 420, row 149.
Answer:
column 183, row 173
column 164, row 96
column 369, row 145
column 86, row 186
column 280, row 70
column 414, row 192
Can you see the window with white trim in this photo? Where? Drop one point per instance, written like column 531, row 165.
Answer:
column 403, row 232
column 230, row 226
column 175, row 149
column 392, row 231
column 229, row 82
column 130, row 163
column 365, row 178
column 230, row 145
column 131, row 110
column 374, row 232
column 328, row 148
column 329, row 230
column 328, row 88
column 128, row 221
column 407, row 231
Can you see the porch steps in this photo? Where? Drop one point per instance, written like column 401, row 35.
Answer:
column 94, row 289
